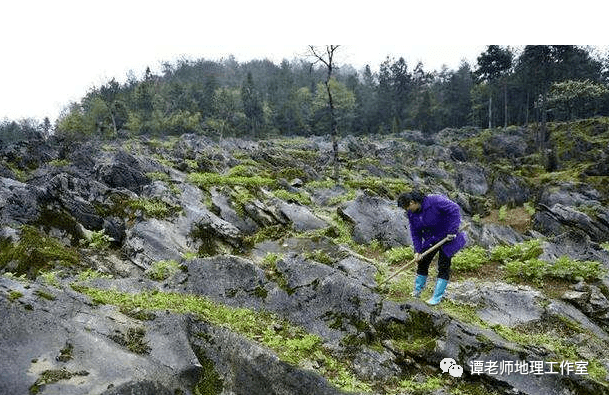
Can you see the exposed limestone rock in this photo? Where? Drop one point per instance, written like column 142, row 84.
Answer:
column 374, row 218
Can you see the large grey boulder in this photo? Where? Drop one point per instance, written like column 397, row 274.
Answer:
column 195, row 228
column 559, row 218
column 300, row 216
column 63, row 344
column 375, row 218
column 499, row 303
column 574, row 244
column 241, row 366
column 124, row 171
column 18, row 202
column 490, row 235
column 471, row 179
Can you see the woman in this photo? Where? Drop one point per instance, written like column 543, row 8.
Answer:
column 432, row 218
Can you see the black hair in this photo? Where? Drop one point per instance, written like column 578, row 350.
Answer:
column 413, row 196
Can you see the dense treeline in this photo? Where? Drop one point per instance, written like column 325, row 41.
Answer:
column 259, row 98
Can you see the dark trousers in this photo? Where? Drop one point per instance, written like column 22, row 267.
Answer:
column 443, row 265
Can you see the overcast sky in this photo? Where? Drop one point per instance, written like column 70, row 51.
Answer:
column 54, row 51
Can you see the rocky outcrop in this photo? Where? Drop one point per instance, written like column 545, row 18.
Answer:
column 374, row 218
column 104, row 219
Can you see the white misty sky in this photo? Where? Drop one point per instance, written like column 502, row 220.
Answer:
column 53, row 52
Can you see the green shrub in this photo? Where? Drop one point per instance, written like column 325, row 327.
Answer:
column 98, row 240
column 36, row 252
column 470, row 258
column 204, row 180
column 532, row 269
column 153, row 207
column 162, row 270
column 398, row 255
column 570, row 269
column 530, row 209
column 502, row 213
column 300, row 197
column 522, row 251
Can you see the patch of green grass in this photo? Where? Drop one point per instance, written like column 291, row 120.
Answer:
column 521, row 262
column 560, row 346
column 50, row 278
column 90, row 274
column 159, row 176
column 162, row 270
column 53, row 376
column 65, row 354
column 273, row 232
column 399, row 255
column 133, row 340
column 533, row 270
column 413, row 386
column 45, row 295
column 569, row 269
column 320, row 184
column 320, row 256
column 98, row 240
column 347, row 196
column 210, row 382
column 155, row 208
column 271, row 259
column 59, row 162
column 291, row 343
column 14, row 295
column 205, row 180
column 503, row 213
column 269, row 263
column 530, row 209
column 189, row 255
column 300, row 197
column 36, row 252
column 522, row 251
column 470, row 258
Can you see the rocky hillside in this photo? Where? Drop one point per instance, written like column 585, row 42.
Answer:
column 193, row 266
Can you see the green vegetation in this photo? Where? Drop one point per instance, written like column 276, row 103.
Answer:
column 292, row 344
column 14, row 295
column 470, row 258
column 133, row 340
column 53, row 376
column 521, row 263
column 59, row 162
column 210, row 382
column 90, row 274
column 502, row 213
column 45, row 295
column 65, row 354
column 159, row 176
column 521, row 251
column 155, row 208
column 300, row 197
column 36, row 252
column 320, row 256
column 205, row 180
column 162, row 270
column 50, row 278
column 398, row 255
column 98, row 240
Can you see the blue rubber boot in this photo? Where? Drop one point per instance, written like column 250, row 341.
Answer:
column 419, row 284
column 439, row 292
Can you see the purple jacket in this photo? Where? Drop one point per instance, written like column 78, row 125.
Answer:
column 439, row 216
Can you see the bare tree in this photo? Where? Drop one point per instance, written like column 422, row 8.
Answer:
column 328, row 60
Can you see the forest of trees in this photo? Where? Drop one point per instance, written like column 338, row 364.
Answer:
column 259, row 99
